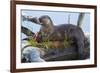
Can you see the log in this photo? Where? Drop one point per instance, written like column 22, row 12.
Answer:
column 26, row 31
column 64, row 54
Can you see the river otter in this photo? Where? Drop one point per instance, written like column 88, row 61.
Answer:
column 59, row 33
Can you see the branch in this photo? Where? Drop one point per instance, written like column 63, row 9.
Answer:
column 31, row 19
column 80, row 19
column 27, row 31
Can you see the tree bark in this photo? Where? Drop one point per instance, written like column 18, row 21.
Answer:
column 26, row 31
column 80, row 19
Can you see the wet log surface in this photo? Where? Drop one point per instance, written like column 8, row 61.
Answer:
column 63, row 54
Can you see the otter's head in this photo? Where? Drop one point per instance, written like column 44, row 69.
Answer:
column 46, row 21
